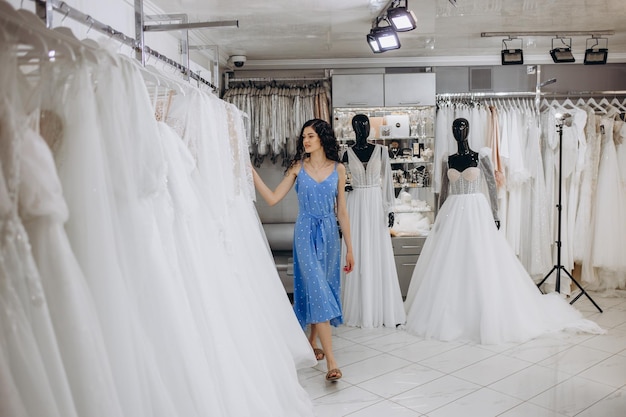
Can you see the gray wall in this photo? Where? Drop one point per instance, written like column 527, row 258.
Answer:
column 287, row 209
column 571, row 78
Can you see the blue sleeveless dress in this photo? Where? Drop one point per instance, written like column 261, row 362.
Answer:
column 317, row 251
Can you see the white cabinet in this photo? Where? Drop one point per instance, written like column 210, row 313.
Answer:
column 410, row 89
column 383, row 90
column 358, row 90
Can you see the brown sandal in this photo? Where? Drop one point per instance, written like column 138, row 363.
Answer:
column 319, row 354
column 333, row 375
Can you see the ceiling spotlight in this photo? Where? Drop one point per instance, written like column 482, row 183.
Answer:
column 401, row 18
column 512, row 56
column 562, row 53
column 371, row 40
column 386, row 39
column 594, row 54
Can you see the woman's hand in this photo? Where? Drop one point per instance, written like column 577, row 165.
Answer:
column 349, row 263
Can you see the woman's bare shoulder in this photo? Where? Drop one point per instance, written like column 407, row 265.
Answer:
column 294, row 169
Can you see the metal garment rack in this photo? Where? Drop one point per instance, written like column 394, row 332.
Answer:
column 45, row 9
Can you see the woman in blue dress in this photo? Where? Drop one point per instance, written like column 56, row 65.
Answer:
column 320, row 179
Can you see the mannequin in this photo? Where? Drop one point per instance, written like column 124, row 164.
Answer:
column 465, row 157
column 362, row 148
column 371, row 297
column 483, row 293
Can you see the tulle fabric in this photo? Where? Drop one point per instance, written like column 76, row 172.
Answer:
column 33, row 379
column 469, row 285
column 227, row 221
column 71, row 306
column 609, row 232
column 176, row 320
column 371, row 292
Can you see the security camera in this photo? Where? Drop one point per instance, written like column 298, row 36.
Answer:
column 238, row 60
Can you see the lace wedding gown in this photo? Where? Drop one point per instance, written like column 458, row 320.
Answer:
column 469, row 285
column 371, row 292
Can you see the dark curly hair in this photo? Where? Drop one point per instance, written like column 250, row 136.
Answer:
column 327, row 139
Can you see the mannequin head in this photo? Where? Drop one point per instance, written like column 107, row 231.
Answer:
column 460, row 129
column 361, row 126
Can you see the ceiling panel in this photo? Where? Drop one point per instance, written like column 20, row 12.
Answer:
column 284, row 33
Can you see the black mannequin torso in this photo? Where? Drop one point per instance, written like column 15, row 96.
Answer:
column 362, row 148
column 465, row 157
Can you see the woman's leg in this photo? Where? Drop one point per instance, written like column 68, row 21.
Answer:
column 325, row 334
column 319, row 353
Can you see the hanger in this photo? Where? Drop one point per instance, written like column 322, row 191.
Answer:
column 619, row 106
column 595, row 106
column 568, row 102
column 24, row 32
column 35, row 23
column 81, row 47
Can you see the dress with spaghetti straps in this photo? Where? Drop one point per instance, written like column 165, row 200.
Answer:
column 317, row 251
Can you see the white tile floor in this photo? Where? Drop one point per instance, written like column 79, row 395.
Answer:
column 390, row 373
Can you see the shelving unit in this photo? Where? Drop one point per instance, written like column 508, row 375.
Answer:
column 412, row 165
column 412, row 168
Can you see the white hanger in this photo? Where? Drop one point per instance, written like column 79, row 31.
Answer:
column 81, row 48
column 23, row 32
column 619, row 106
column 567, row 102
column 595, row 106
column 35, row 23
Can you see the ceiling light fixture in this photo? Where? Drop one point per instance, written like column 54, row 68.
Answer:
column 398, row 19
column 596, row 55
column 512, row 56
column 373, row 42
column 562, row 53
column 401, row 18
column 386, row 39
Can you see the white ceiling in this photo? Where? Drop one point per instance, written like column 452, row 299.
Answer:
column 331, row 33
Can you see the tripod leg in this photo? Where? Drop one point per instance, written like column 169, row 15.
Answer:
column 546, row 277
column 582, row 291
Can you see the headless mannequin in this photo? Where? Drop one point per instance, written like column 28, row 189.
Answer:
column 465, row 157
column 362, row 148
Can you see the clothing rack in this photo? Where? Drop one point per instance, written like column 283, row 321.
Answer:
column 528, row 94
column 47, row 6
column 302, row 79
column 313, row 79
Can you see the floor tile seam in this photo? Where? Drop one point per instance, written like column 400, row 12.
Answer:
column 530, row 400
column 596, row 363
column 443, row 374
column 490, row 383
column 596, row 403
column 623, row 386
column 344, row 385
column 471, row 393
column 534, row 405
column 384, row 373
column 569, row 376
column 376, row 403
column 529, row 363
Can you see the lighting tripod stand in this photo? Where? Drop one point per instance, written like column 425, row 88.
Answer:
column 561, row 120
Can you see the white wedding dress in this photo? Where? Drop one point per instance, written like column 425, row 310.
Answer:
column 370, row 294
column 468, row 285
column 187, row 323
